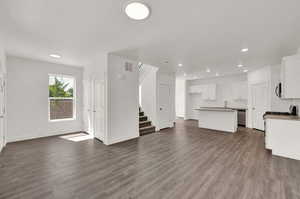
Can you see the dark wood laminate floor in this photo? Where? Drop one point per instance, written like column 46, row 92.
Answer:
column 184, row 162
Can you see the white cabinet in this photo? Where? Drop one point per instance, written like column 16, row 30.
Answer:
column 290, row 77
column 208, row 91
column 282, row 137
column 240, row 91
column 195, row 89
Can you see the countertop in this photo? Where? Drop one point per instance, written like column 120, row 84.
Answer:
column 222, row 109
column 282, row 117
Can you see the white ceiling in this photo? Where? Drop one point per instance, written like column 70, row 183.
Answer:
column 196, row 33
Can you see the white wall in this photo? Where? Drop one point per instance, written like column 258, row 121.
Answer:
column 180, row 97
column 224, row 92
column 170, row 80
column 123, row 104
column 97, row 68
column 3, row 121
column 28, row 99
column 148, row 93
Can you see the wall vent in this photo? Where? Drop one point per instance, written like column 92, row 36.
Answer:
column 128, row 66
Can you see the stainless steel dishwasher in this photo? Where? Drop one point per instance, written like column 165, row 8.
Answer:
column 241, row 117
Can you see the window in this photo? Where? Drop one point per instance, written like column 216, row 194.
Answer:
column 61, row 97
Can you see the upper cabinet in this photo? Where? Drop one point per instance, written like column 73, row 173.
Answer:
column 240, row 90
column 210, row 94
column 208, row 91
column 290, row 77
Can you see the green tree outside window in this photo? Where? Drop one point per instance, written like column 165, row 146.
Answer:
column 58, row 89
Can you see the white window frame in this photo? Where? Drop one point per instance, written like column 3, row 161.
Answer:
column 74, row 98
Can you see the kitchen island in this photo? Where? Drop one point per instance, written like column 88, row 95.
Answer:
column 218, row 118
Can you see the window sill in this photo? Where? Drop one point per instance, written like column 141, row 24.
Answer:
column 63, row 120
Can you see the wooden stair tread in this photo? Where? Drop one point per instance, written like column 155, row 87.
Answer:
column 147, row 127
column 143, row 122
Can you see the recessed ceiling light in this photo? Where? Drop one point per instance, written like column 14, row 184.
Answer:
column 244, row 50
column 180, row 65
column 55, row 56
column 240, row 65
column 208, row 70
column 137, row 10
column 245, row 70
column 184, row 74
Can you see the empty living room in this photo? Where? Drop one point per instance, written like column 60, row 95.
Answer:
column 144, row 99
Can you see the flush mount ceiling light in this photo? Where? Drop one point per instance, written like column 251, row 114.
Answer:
column 180, row 65
column 245, row 70
column 55, row 56
column 240, row 65
column 217, row 74
column 245, row 50
column 137, row 10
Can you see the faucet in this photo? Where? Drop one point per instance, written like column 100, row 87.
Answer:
column 225, row 103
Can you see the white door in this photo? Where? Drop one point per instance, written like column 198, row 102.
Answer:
column 164, row 106
column 259, row 104
column 99, row 109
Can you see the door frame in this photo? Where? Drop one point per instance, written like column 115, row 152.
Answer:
column 95, row 81
column 90, row 109
column 268, row 107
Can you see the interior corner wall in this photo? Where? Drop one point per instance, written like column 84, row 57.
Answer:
column 27, row 94
column 148, row 95
column 123, row 100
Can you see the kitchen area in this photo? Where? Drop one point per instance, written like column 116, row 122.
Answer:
column 265, row 99
column 218, row 103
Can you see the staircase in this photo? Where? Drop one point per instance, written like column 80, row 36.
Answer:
column 145, row 125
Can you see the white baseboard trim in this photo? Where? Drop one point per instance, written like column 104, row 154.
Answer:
column 43, row 136
column 115, row 141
